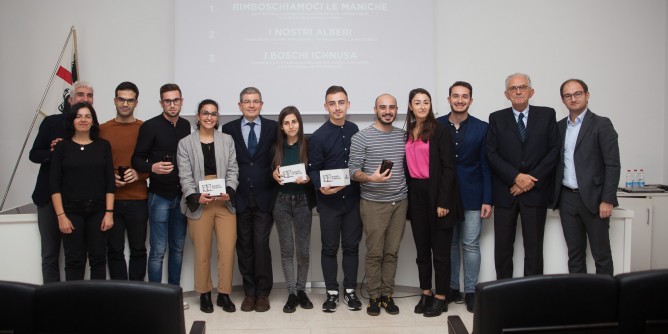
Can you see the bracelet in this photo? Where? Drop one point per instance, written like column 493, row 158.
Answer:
column 111, row 210
column 60, row 214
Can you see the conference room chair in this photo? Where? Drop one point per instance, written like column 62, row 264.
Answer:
column 16, row 307
column 111, row 307
column 643, row 301
column 562, row 303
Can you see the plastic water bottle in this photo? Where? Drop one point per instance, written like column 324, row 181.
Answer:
column 641, row 178
column 635, row 178
column 629, row 179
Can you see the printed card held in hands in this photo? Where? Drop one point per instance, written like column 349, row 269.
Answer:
column 214, row 187
column 290, row 173
column 335, row 177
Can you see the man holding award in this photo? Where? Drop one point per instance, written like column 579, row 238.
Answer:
column 329, row 149
column 377, row 162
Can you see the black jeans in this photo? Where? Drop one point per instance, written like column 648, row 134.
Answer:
column 86, row 239
column 130, row 216
column 344, row 226
column 50, row 238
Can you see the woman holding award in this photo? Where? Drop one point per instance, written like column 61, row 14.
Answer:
column 293, row 204
column 207, row 160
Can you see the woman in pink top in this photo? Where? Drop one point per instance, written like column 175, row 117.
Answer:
column 433, row 197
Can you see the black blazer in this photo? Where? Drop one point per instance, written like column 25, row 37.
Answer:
column 597, row 166
column 254, row 171
column 442, row 174
column 537, row 156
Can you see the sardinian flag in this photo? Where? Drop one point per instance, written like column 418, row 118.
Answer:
column 65, row 76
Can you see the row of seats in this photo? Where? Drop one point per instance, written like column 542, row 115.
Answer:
column 93, row 307
column 633, row 303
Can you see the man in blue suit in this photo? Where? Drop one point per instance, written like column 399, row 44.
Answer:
column 522, row 151
column 587, row 178
column 475, row 186
column 254, row 137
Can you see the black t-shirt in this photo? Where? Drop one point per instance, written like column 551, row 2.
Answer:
column 82, row 171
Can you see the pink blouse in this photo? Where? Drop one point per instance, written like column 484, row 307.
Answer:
column 417, row 158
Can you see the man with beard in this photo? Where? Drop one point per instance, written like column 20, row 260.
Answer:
column 384, row 200
column 130, row 203
column 155, row 153
column 475, row 188
column 587, row 178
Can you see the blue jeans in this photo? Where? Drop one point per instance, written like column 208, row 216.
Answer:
column 167, row 224
column 468, row 232
column 293, row 222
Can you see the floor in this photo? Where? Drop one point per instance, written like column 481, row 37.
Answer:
column 317, row 321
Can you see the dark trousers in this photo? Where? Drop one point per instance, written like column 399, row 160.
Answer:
column 533, row 230
column 130, row 216
column 50, row 238
column 86, row 240
column 253, row 252
column 342, row 226
column 431, row 240
column 580, row 224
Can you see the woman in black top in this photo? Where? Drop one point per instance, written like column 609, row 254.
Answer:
column 82, row 188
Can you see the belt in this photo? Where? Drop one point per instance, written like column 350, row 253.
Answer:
column 570, row 189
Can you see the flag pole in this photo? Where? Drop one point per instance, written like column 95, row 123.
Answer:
column 39, row 111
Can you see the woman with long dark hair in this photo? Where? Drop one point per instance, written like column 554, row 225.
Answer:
column 207, row 154
column 82, row 191
column 292, row 207
column 433, row 197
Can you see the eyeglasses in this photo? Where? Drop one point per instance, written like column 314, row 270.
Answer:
column 176, row 102
column 121, row 100
column 247, row 102
column 522, row 88
column 576, row 95
column 208, row 114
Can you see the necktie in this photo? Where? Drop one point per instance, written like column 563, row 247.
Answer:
column 252, row 139
column 521, row 127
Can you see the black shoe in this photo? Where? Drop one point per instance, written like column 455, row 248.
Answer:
column 374, row 307
column 304, row 302
column 350, row 299
column 388, row 304
column 330, row 303
column 437, row 307
column 205, row 304
column 470, row 301
column 424, row 303
column 453, row 295
column 225, row 302
column 291, row 304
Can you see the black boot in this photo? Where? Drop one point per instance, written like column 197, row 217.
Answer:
column 437, row 307
column 205, row 304
column 424, row 303
column 225, row 302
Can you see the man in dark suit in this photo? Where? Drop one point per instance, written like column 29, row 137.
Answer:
column 587, row 179
column 254, row 137
column 522, row 151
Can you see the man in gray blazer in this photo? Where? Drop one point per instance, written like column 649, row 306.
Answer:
column 587, row 179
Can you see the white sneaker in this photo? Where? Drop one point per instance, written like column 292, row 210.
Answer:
column 186, row 305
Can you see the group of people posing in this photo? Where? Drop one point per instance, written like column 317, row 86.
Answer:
column 443, row 175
